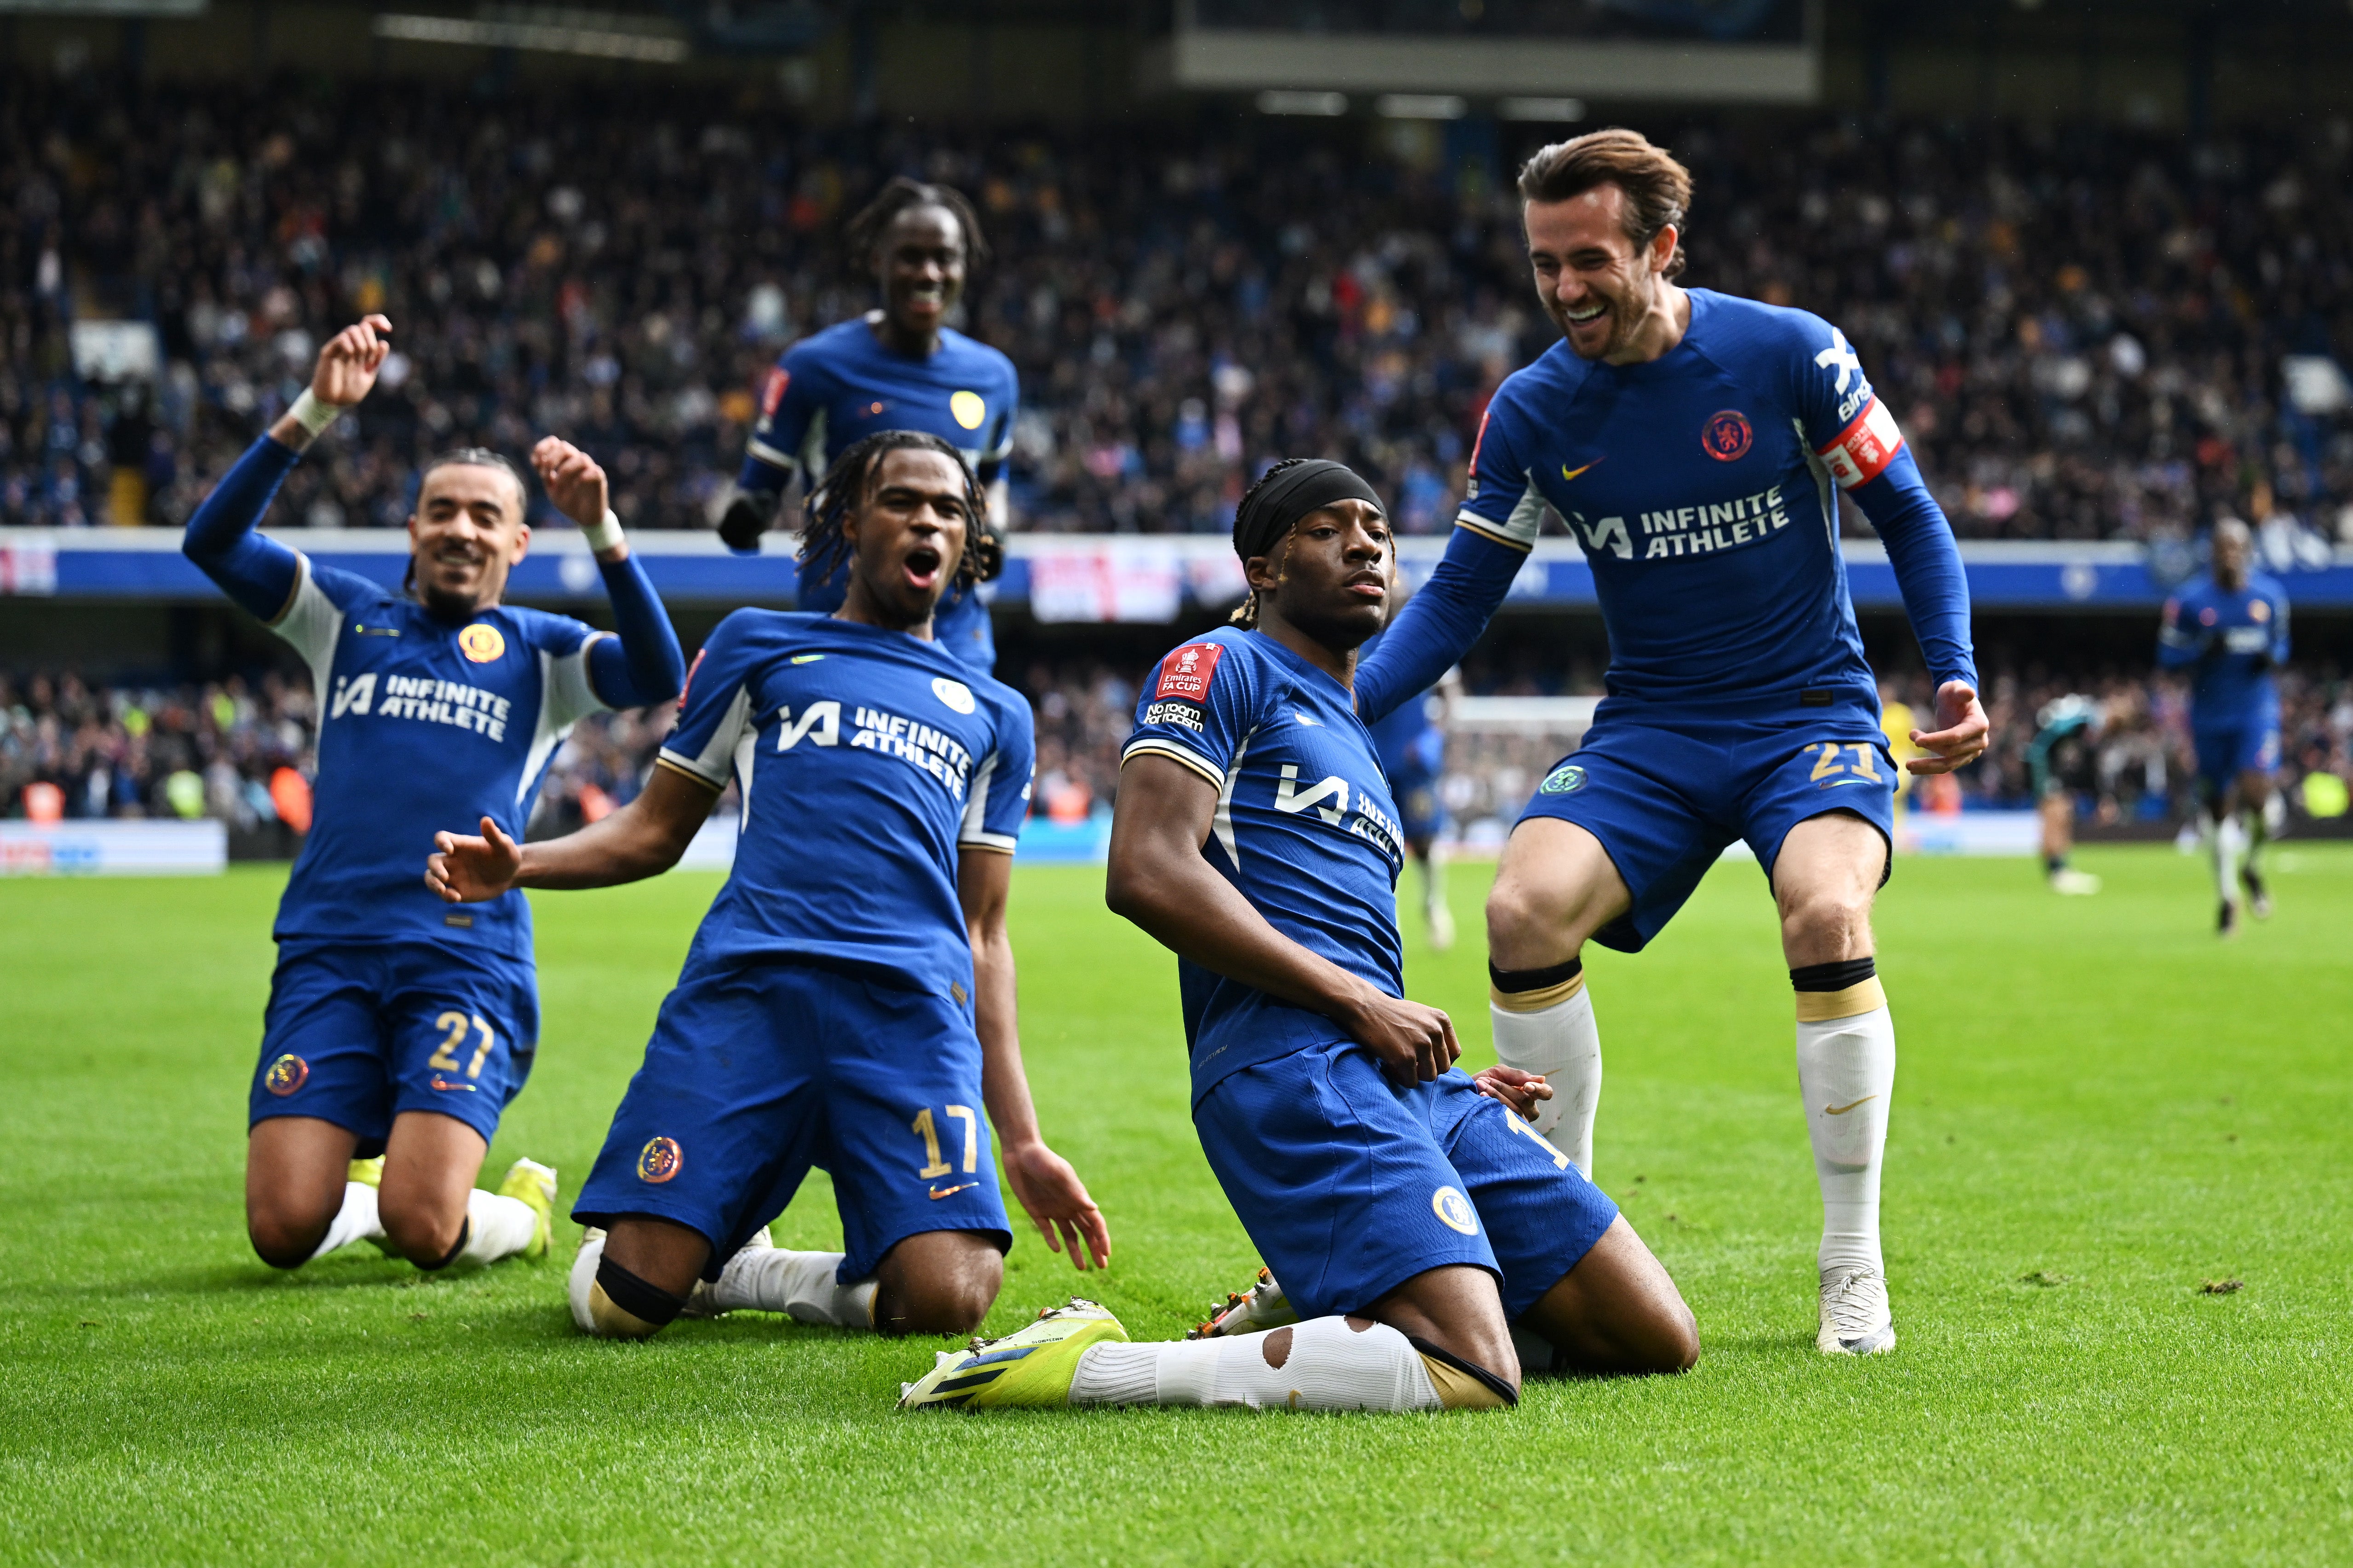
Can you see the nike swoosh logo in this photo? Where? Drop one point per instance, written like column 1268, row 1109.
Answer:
column 1569, row 473
column 938, row 1193
column 1827, row 1110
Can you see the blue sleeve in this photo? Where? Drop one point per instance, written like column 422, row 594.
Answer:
column 790, row 400
column 255, row 571
column 1440, row 623
column 1000, row 801
column 642, row 665
column 997, row 446
column 1198, row 705
column 2279, row 630
column 2177, row 648
column 1927, row 566
column 714, row 710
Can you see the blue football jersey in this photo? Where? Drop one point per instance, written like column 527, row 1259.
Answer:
column 866, row 760
column 1305, row 828
column 1701, row 486
column 2232, row 641
column 424, row 726
column 835, row 388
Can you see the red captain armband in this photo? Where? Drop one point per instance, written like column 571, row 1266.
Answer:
column 1185, row 674
column 1862, row 450
column 772, row 393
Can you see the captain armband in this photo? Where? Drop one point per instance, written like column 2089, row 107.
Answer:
column 1861, row 452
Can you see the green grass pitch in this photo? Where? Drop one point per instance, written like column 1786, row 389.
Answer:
column 2100, row 1109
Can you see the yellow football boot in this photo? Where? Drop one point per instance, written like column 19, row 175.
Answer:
column 1031, row 1368
column 535, row 1184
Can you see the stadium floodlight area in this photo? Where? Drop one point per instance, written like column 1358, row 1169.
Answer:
column 599, row 34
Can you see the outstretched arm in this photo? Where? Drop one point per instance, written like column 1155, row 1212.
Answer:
column 642, row 839
column 1936, row 597
column 1158, row 880
column 642, row 665
column 257, row 573
column 1440, row 623
column 1047, row 1189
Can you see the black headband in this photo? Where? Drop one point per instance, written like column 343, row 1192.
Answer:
column 1269, row 512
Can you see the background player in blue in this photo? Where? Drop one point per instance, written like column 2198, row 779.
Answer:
column 2229, row 630
column 1694, row 442
column 1410, row 1218
column 1411, row 739
column 849, row 1001
column 398, row 1030
column 901, row 367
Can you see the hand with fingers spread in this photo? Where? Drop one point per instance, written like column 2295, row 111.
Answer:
column 1522, row 1091
column 1961, row 734
column 1413, row 1043
column 469, row 871
column 1050, row 1192
column 348, row 364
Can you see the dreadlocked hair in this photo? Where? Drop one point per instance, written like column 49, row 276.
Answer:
column 1245, row 615
column 865, row 231
column 850, row 484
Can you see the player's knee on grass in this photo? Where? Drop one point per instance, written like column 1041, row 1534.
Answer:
column 285, row 1231
column 1454, row 1317
column 1618, row 1311
column 428, row 1233
column 295, row 1168
column 622, row 1306
column 939, row 1282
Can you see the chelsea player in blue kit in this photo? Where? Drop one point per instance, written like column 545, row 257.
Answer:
column 1696, row 444
column 901, row 367
column 849, row 1000
column 398, row 1030
column 2229, row 631
column 1413, row 1220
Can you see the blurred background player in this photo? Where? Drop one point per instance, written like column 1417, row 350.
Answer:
column 398, row 1030
column 901, row 367
column 2228, row 629
column 1692, row 441
column 1411, row 740
column 1411, row 1218
column 2064, row 767
column 849, row 1000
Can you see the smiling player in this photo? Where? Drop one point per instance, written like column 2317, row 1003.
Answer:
column 849, row 1001
column 1696, row 443
column 901, row 367
column 1412, row 1219
column 398, row 1030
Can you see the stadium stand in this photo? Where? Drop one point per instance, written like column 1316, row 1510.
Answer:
column 2089, row 334
column 217, row 750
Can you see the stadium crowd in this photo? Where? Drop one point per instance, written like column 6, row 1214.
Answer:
column 2095, row 333
column 240, row 751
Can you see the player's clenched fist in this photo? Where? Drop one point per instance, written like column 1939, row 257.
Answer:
column 349, row 362
column 1961, row 734
column 466, row 871
column 573, row 481
column 1413, row 1043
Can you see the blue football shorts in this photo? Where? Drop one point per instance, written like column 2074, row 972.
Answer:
column 1665, row 793
column 1350, row 1187
column 356, row 1035
column 2226, row 751
column 758, row 1071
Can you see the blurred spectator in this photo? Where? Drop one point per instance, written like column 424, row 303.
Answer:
column 2091, row 333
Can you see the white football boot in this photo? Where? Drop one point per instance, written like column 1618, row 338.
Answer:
column 1856, row 1319
column 1263, row 1306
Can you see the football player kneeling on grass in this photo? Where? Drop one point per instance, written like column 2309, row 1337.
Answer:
column 849, row 998
column 1415, row 1221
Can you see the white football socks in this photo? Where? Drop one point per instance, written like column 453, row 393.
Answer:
column 355, row 1221
column 1846, row 1069
column 583, row 1278
column 497, row 1226
column 1324, row 1364
column 1551, row 1033
column 2230, row 844
column 799, row 1284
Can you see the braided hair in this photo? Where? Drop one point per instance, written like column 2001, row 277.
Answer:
column 865, row 231
column 850, row 484
column 1245, row 616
